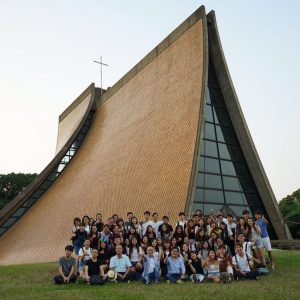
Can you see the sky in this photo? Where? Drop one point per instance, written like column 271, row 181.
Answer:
column 47, row 50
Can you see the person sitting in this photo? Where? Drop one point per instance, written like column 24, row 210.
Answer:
column 194, row 268
column 92, row 270
column 151, row 267
column 121, row 264
column 84, row 254
column 176, row 268
column 242, row 263
column 212, row 266
column 67, row 267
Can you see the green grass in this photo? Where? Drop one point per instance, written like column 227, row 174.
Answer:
column 35, row 281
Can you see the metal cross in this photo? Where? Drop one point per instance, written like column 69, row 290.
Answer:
column 101, row 64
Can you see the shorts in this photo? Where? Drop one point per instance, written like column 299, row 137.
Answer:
column 267, row 243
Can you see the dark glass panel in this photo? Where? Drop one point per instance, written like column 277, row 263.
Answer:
column 38, row 193
column 9, row 222
column 253, row 199
column 2, row 230
column 19, row 212
column 209, row 131
column 221, row 116
column 226, row 135
column 209, row 165
column 235, row 153
column 208, row 114
column 247, row 185
column 209, row 181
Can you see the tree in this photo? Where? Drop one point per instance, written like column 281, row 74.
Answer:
column 12, row 184
column 290, row 209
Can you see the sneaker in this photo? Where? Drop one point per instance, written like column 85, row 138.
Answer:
column 194, row 278
column 147, row 282
column 168, row 281
column 179, row 281
column 128, row 281
column 272, row 266
column 157, row 282
column 231, row 277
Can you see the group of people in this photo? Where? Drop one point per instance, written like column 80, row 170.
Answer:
column 203, row 248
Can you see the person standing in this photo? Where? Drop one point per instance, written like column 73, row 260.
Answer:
column 262, row 222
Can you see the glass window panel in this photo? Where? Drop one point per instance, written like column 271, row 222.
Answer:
column 224, row 153
column 226, row 134
column 209, row 131
column 10, row 221
column 46, row 184
column 221, row 116
column 213, row 196
column 238, row 210
column 199, row 195
column 232, row 183
column 197, row 206
column 60, row 167
column 228, row 168
column 247, row 185
column 210, row 165
column 215, row 207
column 2, row 230
column 241, row 170
column 209, row 181
column 210, row 149
column 216, row 97
column 208, row 114
column 235, row 153
column 19, row 212
column 207, row 96
column 38, row 193
column 201, row 166
column 253, row 199
column 235, row 198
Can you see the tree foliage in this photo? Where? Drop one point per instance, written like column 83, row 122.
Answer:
column 290, row 209
column 12, row 184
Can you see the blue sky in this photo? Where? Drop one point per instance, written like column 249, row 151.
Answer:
column 47, row 50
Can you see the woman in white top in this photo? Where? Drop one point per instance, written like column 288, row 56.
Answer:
column 212, row 265
column 134, row 252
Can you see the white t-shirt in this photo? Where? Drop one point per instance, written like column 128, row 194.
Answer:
column 145, row 225
column 88, row 251
column 135, row 254
column 242, row 262
column 155, row 226
column 247, row 247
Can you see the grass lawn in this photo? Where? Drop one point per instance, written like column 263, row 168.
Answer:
column 35, row 281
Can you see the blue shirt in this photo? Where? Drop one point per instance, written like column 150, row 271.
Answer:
column 263, row 226
column 175, row 265
column 120, row 264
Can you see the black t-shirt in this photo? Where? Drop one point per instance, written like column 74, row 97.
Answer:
column 93, row 267
column 197, row 265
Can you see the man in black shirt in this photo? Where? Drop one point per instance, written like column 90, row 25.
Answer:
column 92, row 269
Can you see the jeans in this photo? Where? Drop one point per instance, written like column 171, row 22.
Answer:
column 173, row 277
column 155, row 276
column 249, row 275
